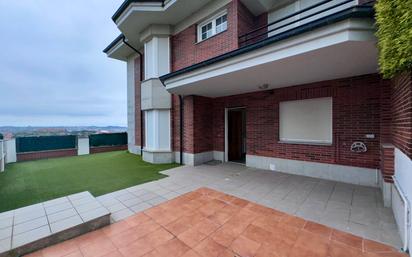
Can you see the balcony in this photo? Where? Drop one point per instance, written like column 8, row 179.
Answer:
column 289, row 22
column 326, row 41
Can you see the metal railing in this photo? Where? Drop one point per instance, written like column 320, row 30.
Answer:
column 282, row 25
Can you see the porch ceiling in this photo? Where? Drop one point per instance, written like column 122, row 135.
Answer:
column 339, row 51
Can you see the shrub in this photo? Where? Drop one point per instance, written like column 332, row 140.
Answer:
column 394, row 21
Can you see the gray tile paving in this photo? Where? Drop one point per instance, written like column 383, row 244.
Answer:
column 355, row 209
column 21, row 227
column 30, row 236
column 122, row 214
column 29, row 225
column 6, row 222
column 5, row 232
column 65, row 224
column 62, row 215
column 140, row 207
column 93, row 214
column 5, row 244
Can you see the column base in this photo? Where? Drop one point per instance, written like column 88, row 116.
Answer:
column 134, row 149
column 158, row 157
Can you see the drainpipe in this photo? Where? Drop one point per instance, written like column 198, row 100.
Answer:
column 141, row 79
column 181, row 103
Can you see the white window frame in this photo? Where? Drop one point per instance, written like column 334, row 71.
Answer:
column 213, row 21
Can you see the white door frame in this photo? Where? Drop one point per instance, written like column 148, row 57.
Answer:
column 226, row 154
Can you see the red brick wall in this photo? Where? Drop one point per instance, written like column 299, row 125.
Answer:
column 203, row 124
column 247, row 23
column 138, row 133
column 175, row 123
column 387, row 162
column 401, row 112
column 103, row 149
column 45, row 154
column 356, row 112
column 186, row 51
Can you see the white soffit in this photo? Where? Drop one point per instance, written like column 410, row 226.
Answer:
column 258, row 7
column 138, row 16
column 120, row 51
column 344, row 49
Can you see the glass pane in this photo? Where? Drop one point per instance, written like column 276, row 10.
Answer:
column 206, row 31
column 221, row 24
column 204, row 36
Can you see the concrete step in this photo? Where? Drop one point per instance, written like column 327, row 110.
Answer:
column 34, row 227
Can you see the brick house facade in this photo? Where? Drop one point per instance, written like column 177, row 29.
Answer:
column 265, row 56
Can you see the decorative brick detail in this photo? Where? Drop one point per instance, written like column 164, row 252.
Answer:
column 401, row 112
column 103, row 149
column 45, row 154
column 387, row 162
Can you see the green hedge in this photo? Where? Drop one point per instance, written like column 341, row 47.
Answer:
column 113, row 139
column 394, row 21
column 45, row 143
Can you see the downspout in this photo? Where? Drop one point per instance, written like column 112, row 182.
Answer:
column 181, row 103
column 141, row 79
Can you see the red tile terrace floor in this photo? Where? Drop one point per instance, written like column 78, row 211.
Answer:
column 207, row 223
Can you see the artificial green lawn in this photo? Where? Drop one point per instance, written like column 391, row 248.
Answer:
column 32, row 182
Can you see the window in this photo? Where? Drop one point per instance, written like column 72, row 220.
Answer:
column 207, row 31
column 215, row 25
column 306, row 121
column 221, row 24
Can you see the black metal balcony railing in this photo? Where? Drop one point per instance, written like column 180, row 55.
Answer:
column 284, row 24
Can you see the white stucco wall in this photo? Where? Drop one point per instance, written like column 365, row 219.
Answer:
column 403, row 174
column 2, row 155
column 83, row 146
column 131, row 106
column 11, row 155
column 157, row 57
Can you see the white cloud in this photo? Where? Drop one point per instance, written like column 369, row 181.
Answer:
column 52, row 69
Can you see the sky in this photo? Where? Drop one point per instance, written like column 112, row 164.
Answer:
column 52, row 68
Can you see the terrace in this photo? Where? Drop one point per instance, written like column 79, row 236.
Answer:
column 339, row 216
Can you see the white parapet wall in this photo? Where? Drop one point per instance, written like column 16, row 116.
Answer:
column 340, row 173
column 83, row 146
column 403, row 177
column 11, row 154
column 2, row 156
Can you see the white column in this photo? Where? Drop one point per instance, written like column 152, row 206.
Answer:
column 157, row 57
column 131, row 107
column 156, row 101
column 158, row 127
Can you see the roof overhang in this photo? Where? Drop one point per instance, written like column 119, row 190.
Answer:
column 118, row 49
column 135, row 16
column 338, row 49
